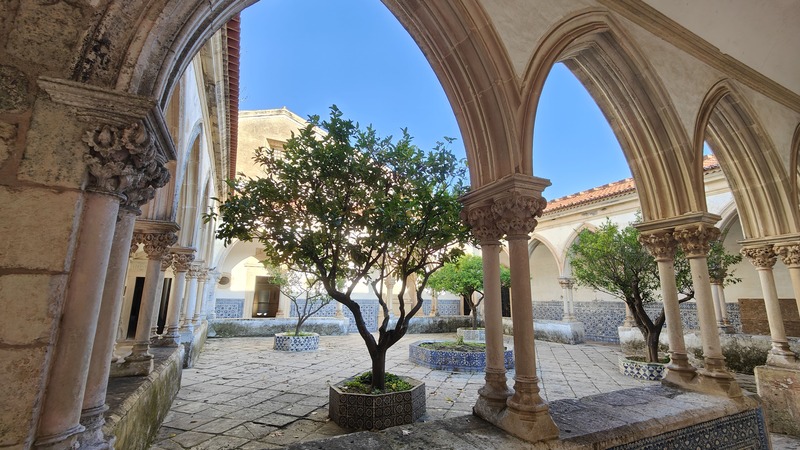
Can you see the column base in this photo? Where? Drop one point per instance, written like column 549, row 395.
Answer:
column 132, row 368
column 93, row 437
column 786, row 359
column 680, row 373
column 66, row 440
column 717, row 382
column 168, row 340
column 494, row 395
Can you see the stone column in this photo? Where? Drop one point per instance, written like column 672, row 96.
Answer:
column 790, row 255
column 389, row 283
column 339, row 311
column 202, row 276
column 662, row 245
column 190, row 298
column 628, row 322
column 434, row 304
column 763, row 258
column 495, row 393
column 156, row 244
column 566, row 286
column 212, row 300
column 720, row 309
column 694, row 240
column 182, row 258
column 527, row 413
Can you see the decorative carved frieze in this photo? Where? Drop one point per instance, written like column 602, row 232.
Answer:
column 156, row 244
column 483, row 222
column 762, row 257
column 517, row 213
column 182, row 261
column 661, row 244
column 696, row 240
column 789, row 253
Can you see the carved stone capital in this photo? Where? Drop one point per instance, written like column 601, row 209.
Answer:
column 661, row 244
column 194, row 271
column 695, row 240
column 182, row 259
column 166, row 261
column 789, row 253
column 762, row 257
column 156, row 244
column 202, row 274
column 566, row 282
column 134, row 246
column 517, row 213
column 483, row 222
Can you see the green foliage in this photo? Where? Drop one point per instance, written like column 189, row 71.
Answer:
column 348, row 206
column 720, row 262
column 465, row 278
column 299, row 286
column 363, row 384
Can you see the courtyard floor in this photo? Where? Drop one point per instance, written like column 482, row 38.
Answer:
column 243, row 394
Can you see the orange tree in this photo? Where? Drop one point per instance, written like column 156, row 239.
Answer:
column 351, row 207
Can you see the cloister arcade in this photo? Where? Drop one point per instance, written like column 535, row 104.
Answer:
column 91, row 129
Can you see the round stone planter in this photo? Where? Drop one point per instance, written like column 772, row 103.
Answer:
column 376, row 411
column 453, row 361
column 288, row 342
column 641, row 370
column 470, row 335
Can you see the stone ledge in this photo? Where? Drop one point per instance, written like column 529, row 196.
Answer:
column 324, row 326
column 138, row 405
column 552, row 331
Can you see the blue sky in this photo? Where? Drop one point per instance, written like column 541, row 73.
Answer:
column 308, row 54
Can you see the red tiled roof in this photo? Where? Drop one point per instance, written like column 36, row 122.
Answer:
column 232, row 33
column 609, row 190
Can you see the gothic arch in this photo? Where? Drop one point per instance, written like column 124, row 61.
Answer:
column 537, row 240
column 566, row 264
column 749, row 161
column 458, row 40
column 794, row 166
column 729, row 215
column 633, row 100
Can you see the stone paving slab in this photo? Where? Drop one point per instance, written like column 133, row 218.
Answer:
column 243, row 394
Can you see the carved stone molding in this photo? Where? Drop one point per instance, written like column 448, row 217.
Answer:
column 762, row 257
column 194, row 271
column 517, row 214
column 661, row 244
column 134, row 247
column 156, row 245
column 789, row 253
column 182, row 259
column 202, row 274
column 483, row 222
column 695, row 240
column 566, row 282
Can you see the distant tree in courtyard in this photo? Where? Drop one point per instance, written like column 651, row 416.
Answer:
column 612, row 260
column 465, row 278
column 353, row 207
column 306, row 294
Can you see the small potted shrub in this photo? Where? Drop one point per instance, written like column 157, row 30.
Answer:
column 297, row 286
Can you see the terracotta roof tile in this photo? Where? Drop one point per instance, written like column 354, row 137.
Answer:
column 609, row 190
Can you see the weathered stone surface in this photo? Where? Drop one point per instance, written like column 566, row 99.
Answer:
column 8, row 137
column 14, row 92
column 22, row 226
column 779, row 389
column 445, row 324
column 41, row 295
column 54, row 153
column 325, row 326
column 33, row 27
column 21, row 372
column 557, row 331
column 754, row 316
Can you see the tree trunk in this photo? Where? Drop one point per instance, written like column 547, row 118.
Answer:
column 651, row 339
column 379, row 369
column 474, row 318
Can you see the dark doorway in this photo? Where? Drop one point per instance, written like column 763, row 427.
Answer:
column 505, row 298
column 266, row 297
column 135, row 305
column 162, row 310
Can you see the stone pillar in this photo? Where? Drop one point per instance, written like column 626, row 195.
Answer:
column 202, row 276
column 339, row 311
column 720, row 309
column 156, row 240
column 662, row 245
column 790, row 255
column 694, row 240
column 389, row 283
column 190, row 299
column 763, row 258
column 628, row 322
column 213, row 278
column 434, row 304
column 527, row 414
column 569, row 310
column 182, row 258
column 495, row 393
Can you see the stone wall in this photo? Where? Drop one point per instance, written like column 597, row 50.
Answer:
column 222, row 328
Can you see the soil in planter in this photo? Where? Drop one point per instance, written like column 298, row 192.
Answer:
column 455, row 346
column 643, row 359
column 362, row 384
column 300, row 334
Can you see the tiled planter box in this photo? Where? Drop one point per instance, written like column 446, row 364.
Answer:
column 470, row 335
column 452, row 360
column 641, row 370
column 285, row 342
column 376, row 412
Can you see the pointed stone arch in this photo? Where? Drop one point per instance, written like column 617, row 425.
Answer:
column 537, row 240
column 730, row 216
column 566, row 264
column 794, row 167
column 747, row 156
column 619, row 78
